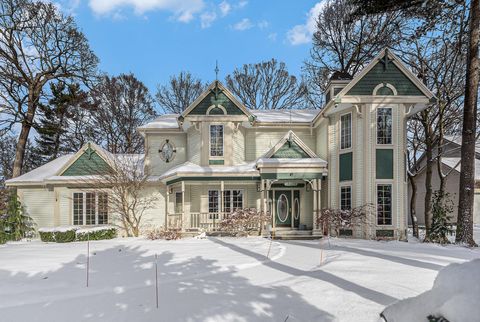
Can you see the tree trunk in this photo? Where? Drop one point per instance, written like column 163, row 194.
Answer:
column 413, row 201
column 22, row 140
column 467, row 172
column 428, row 187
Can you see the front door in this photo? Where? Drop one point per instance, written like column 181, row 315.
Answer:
column 296, row 208
column 283, row 208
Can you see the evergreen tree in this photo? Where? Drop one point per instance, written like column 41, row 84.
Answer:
column 56, row 120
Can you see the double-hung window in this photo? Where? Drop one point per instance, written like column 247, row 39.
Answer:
column 384, row 204
column 346, row 198
column 178, row 202
column 213, row 203
column 216, row 140
column 90, row 208
column 346, row 131
column 384, row 125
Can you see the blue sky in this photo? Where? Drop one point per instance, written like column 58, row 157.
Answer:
column 158, row 38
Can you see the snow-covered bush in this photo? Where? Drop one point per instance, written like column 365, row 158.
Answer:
column 73, row 233
column 96, row 233
column 58, row 234
column 340, row 220
column 15, row 223
column 243, row 221
column 162, row 233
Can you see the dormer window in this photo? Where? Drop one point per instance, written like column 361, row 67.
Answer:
column 216, row 140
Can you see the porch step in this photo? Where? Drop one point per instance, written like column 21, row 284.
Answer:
column 295, row 234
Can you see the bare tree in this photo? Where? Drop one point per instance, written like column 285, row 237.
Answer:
column 121, row 104
column 344, row 45
column 123, row 183
column 179, row 93
column 266, row 86
column 38, row 44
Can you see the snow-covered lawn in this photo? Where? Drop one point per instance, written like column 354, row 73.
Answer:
column 216, row 279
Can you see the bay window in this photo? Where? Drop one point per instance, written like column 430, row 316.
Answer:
column 216, row 140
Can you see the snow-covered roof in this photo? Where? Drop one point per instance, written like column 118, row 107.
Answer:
column 452, row 162
column 285, row 116
column 49, row 171
column 41, row 173
column 167, row 121
column 192, row 168
column 457, row 139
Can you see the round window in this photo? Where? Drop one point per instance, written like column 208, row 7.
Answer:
column 296, row 207
column 282, row 208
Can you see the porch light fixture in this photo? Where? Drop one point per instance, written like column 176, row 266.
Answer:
column 290, row 184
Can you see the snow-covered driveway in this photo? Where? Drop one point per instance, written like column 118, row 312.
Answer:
column 216, row 279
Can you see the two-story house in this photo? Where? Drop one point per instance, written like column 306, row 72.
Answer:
column 218, row 156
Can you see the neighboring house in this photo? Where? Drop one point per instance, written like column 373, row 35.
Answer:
column 218, row 156
column 451, row 168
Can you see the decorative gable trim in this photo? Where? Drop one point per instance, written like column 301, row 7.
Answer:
column 90, row 148
column 210, row 90
column 292, row 138
column 386, row 57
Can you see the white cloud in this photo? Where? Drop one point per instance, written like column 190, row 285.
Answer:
column 183, row 11
column 273, row 36
column 225, row 8
column 263, row 24
column 207, row 18
column 243, row 24
column 241, row 4
column 302, row 34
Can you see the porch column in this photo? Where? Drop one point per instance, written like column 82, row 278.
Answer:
column 222, row 205
column 183, row 205
column 319, row 197
column 273, row 210
column 166, row 207
column 313, row 183
column 262, row 196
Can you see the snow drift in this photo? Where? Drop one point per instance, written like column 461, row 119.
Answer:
column 455, row 296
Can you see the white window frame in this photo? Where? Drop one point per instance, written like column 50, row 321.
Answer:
column 351, row 196
column 376, row 126
column 84, row 208
column 341, row 131
column 391, row 202
column 211, row 213
column 231, row 199
column 210, row 142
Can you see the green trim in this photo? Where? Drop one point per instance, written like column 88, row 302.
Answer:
column 346, row 166
column 214, row 179
column 392, row 75
column 384, row 233
column 89, row 163
column 282, row 185
column 290, row 150
column 292, row 176
column 222, row 99
column 216, row 162
column 384, row 164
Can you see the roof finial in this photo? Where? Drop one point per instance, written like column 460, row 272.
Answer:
column 216, row 70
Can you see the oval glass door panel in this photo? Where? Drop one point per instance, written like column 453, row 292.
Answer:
column 282, row 208
column 296, row 207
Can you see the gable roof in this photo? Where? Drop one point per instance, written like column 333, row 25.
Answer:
column 290, row 146
column 207, row 99
column 390, row 57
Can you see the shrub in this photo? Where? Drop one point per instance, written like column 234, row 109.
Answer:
column 70, row 234
column 162, row 233
column 345, row 219
column 15, row 223
column 58, row 234
column 442, row 207
column 243, row 221
column 96, row 233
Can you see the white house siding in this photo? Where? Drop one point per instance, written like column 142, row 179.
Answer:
column 260, row 140
column 64, row 204
column 39, row 204
column 239, row 146
column 194, row 139
column 155, row 215
column 155, row 141
column 322, row 140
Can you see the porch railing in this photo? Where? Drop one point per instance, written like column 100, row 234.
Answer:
column 198, row 221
